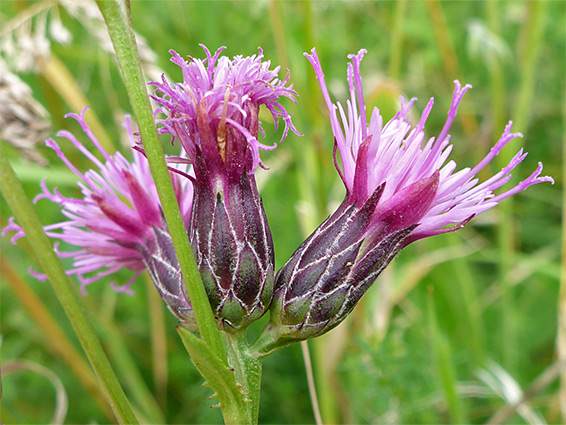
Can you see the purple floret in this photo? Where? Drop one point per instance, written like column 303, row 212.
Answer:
column 226, row 94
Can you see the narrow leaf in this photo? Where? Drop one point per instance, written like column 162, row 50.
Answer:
column 218, row 377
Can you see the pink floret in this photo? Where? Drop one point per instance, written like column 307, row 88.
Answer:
column 398, row 156
column 118, row 208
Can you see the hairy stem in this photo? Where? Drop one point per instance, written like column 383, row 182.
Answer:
column 247, row 368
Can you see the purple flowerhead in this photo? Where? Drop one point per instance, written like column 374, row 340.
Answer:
column 399, row 188
column 117, row 223
column 214, row 114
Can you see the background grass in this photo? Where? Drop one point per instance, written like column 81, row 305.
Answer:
column 447, row 315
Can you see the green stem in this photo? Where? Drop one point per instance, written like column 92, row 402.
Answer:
column 118, row 19
column 220, row 378
column 268, row 341
column 247, row 368
column 449, row 57
column 496, row 74
column 444, row 360
column 533, row 31
column 278, row 33
column 27, row 218
column 310, row 382
column 140, row 395
column 561, row 337
column 442, row 34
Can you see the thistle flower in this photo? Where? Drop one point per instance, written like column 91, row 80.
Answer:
column 118, row 222
column 399, row 189
column 213, row 114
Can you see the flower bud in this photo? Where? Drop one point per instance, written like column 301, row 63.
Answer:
column 332, row 269
column 118, row 223
column 160, row 260
column 214, row 116
column 234, row 250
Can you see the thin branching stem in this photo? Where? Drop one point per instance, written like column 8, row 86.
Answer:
column 310, row 381
column 24, row 212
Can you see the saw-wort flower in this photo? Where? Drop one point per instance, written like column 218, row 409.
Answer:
column 213, row 114
column 399, row 188
column 118, row 223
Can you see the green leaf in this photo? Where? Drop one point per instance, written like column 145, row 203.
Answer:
column 218, row 377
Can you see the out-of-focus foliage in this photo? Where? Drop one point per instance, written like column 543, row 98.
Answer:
column 446, row 314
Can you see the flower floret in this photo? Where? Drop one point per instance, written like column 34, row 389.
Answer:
column 118, row 210
column 228, row 93
column 373, row 154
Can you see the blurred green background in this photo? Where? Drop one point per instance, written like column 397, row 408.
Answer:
column 456, row 327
